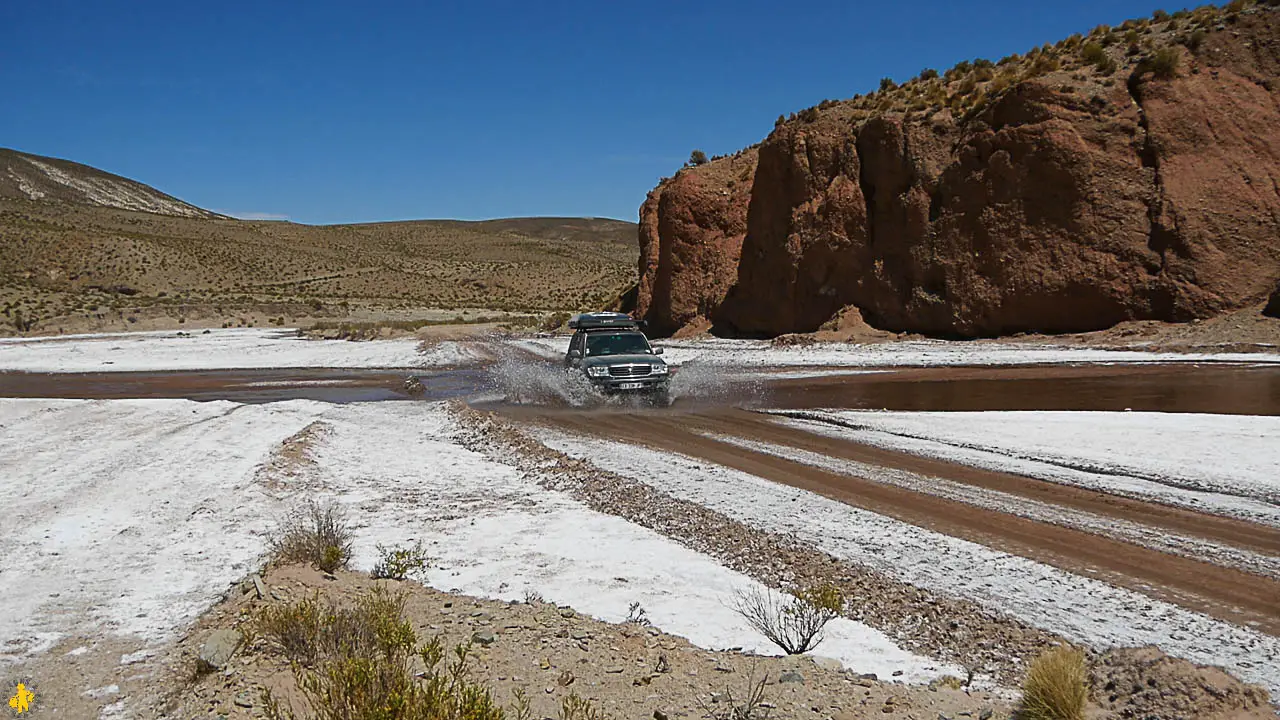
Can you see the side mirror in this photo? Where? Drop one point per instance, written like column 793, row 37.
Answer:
column 657, row 351
column 574, row 355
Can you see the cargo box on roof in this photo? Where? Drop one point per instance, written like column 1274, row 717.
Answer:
column 602, row 320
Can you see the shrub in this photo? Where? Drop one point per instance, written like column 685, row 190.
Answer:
column 398, row 563
column 361, row 668
column 1107, row 66
column 794, row 623
column 887, row 84
column 1164, row 63
column 1056, row 686
column 573, row 707
column 1160, row 15
column 315, row 534
column 1195, row 40
column 1093, row 53
column 1235, row 6
column 747, row 705
column 928, row 74
column 697, row 157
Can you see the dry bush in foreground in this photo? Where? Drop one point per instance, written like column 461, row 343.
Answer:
column 315, row 534
column 355, row 663
column 1056, row 686
column 792, row 622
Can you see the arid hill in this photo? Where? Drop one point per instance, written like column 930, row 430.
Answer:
column 69, row 262
column 1132, row 173
column 35, row 177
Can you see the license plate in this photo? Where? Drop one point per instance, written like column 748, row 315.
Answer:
column 630, row 386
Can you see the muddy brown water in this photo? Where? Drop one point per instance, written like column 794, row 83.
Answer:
column 1210, row 388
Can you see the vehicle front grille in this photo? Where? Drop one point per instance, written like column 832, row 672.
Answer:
column 630, row 370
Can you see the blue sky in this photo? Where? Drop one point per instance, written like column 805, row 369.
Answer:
column 332, row 112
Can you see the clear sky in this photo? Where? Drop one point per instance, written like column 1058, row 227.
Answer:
column 326, row 111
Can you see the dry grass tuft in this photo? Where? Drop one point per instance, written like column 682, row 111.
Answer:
column 1056, row 686
column 316, row 534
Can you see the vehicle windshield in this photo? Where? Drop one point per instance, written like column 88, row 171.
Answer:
column 624, row 343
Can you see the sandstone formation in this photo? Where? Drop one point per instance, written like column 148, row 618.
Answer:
column 702, row 214
column 1057, row 195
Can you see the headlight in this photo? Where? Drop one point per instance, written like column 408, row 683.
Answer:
column 597, row 371
column 660, row 369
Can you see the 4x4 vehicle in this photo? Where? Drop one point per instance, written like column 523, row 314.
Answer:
column 614, row 355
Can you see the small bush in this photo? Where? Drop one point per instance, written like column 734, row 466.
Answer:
column 1093, row 53
column 747, row 705
column 928, row 74
column 361, row 668
column 1107, row 67
column 1056, row 686
column 398, row 563
column 887, row 84
column 315, row 534
column 1164, row 63
column 1195, row 40
column 794, row 623
column 697, row 157
column 636, row 614
column 573, row 707
column 1235, row 6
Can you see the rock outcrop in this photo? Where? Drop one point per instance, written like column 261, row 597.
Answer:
column 1058, row 195
column 691, row 231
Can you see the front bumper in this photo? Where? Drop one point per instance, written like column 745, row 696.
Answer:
column 647, row 384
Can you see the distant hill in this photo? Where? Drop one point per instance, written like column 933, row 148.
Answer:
column 84, row 250
column 35, row 177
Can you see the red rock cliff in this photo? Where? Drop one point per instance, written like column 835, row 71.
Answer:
column 1056, row 196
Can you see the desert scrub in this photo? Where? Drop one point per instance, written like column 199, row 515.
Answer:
column 398, row 563
column 362, row 668
column 316, row 534
column 1056, row 686
column 792, row 621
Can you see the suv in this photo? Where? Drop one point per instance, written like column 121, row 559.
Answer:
column 614, row 355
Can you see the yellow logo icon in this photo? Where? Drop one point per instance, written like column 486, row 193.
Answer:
column 21, row 700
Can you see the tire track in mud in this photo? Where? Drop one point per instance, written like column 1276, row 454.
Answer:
column 1220, row 592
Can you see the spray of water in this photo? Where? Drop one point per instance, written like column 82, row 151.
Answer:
column 524, row 380
column 521, row 379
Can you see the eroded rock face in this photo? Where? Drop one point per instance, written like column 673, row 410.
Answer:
column 691, row 231
column 1057, row 207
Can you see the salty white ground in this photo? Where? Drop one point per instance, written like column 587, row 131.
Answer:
column 919, row 353
column 1225, row 464
column 1079, row 608
column 1136, row 533
column 130, row 517
column 221, row 349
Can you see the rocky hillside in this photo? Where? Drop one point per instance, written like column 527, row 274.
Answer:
column 1130, row 173
column 35, row 177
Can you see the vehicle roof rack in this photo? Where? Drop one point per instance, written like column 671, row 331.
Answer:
column 602, row 321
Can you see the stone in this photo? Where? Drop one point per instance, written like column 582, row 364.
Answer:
column 791, row 676
column 244, row 699
column 258, row 585
column 218, row 648
column 827, row 663
column 484, row 637
column 986, row 713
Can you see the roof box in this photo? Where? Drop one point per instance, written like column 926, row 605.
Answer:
column 601, row 320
